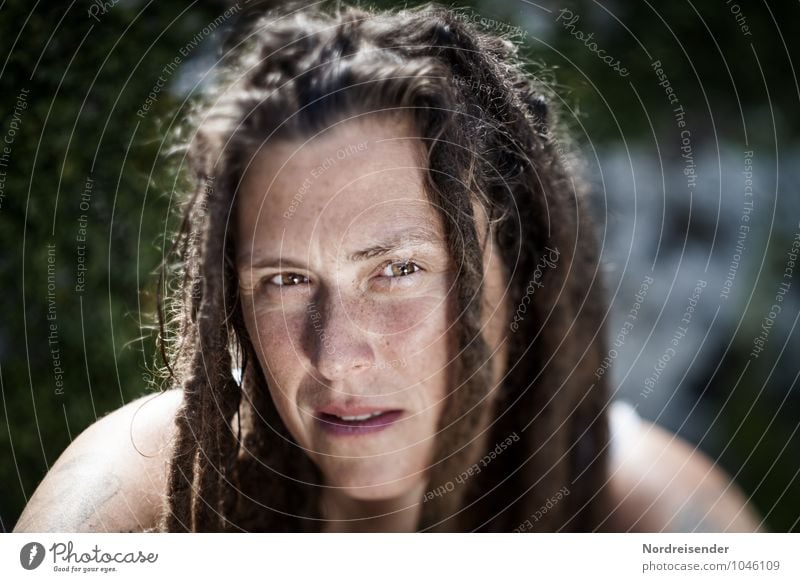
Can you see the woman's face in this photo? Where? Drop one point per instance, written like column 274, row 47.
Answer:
column 345, row 282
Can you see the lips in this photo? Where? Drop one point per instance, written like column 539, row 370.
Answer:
column 356, row 420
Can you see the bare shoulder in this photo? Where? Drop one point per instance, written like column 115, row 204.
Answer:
column 660, row 482
column 112, row 477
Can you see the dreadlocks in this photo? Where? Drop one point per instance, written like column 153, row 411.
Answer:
column 487, row 133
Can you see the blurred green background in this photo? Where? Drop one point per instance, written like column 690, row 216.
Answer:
column 74, row 75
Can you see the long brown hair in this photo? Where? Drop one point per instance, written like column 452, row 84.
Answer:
column 487, row 128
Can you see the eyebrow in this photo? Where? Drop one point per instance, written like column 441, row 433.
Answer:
column 413, row 237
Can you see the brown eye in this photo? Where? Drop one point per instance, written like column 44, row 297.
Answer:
column 287, row 280
column 400, row 269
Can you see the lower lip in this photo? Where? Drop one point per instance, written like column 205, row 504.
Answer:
column 335, row 425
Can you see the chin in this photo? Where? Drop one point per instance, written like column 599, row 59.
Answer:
column 374, row 485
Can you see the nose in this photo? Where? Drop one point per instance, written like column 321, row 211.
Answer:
column 340, row 346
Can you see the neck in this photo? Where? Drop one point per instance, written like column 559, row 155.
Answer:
column 345, row 514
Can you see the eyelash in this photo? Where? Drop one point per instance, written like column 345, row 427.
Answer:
column 402, row 262
column 411, row 262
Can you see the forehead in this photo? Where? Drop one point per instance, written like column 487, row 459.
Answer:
column 347, row 183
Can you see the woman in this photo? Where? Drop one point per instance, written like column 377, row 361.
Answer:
column 390, row 311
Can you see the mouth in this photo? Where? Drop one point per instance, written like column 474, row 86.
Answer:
column 356, row 422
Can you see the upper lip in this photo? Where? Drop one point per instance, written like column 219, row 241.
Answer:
column 345, row 411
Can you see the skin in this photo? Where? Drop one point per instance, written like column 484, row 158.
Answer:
column 112, row 476
column 661, row 483
column 350, row 345
column 333, row 328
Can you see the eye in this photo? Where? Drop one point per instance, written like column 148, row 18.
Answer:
column 286, row 280
column 399, row 275
column 400, row 269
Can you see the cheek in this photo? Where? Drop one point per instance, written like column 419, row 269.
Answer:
column 276, row 336
column 419, row 317
column 417, row 325
column 421, row 344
